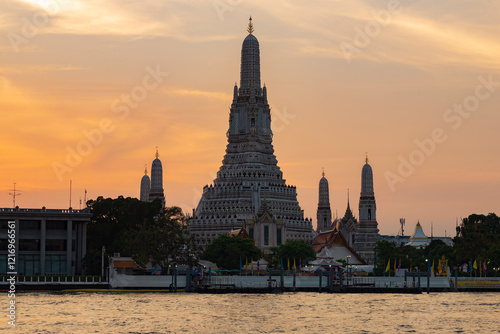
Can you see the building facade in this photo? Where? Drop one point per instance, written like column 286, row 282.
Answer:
column 367, row 231
column 48, row 241
column 250, row 175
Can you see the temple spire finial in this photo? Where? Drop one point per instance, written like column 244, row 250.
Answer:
column 323, row 171
column 366, row 159
column 157, row 155
column 250, row 26
column 145, row 169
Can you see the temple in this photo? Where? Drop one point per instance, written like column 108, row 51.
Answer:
column 152, row 189
column 418, row 239
column 249, row 190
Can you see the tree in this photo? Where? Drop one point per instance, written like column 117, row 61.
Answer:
column 386, row 251
column 111, row 221
column 142, row 230
column 478, row 238
column 163, row 241
column 227, row 251
column 301, row 251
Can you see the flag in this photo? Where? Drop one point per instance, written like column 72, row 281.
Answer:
column 480, row 268
column 288, row 263
column 251, row 263
column 294, row 264
column 485, row 268
column 282, row 264
column 388, row 266
column 246, row 264
column 470, row 266
column 429, row 266
column 432, row 269
column 394, row 267
column 399, row 266
column 475, row 264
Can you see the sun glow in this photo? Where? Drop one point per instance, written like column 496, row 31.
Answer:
column 52, row 6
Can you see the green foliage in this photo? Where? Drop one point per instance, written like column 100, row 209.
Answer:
column 163, row 241
column 226, row 251
column 478, row 238
column 301, row 251
column 385, row 251
column 411, row 257
column 142, row 230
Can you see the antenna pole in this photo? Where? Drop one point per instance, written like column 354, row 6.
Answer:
column 14, row 194
column 70, row 181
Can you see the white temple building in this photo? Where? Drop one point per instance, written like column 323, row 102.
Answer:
column 418, row 239
column 249, row 190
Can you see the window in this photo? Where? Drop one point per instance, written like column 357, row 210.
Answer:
column 29, row 245
column 369, row 214
column 3, row 264
column 29, row 264
column 266, row 235
column 278, row 236
column 55, row 245
column 4, row 224
column 56, row 225
column 55, row 264
column 29, row 224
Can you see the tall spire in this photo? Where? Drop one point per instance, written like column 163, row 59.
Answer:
column 324, row 213
column 250, row 64
column 250, row 26
column 250, row 170
column 145, row 186
column 366, row 159
column 156, row 190
column 367, row 180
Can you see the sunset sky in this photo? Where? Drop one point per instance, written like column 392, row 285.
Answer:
column 343, row 78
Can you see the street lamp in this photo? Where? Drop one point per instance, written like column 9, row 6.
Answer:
column 347, row 264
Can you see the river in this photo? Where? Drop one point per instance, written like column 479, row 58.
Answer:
column 254, row 313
